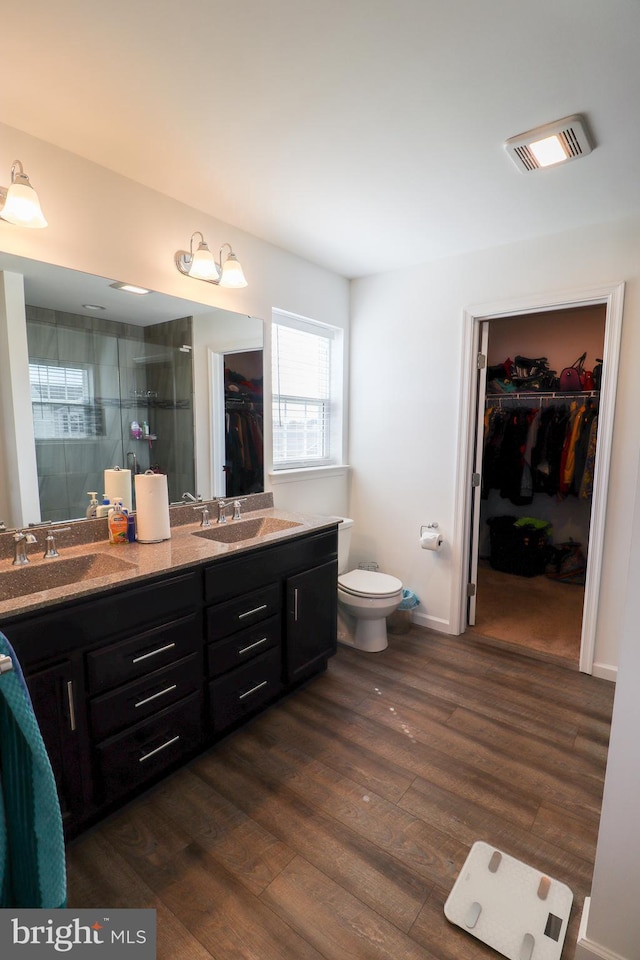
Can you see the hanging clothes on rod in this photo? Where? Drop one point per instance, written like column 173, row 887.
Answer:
column 244, row 465
column 540, row 445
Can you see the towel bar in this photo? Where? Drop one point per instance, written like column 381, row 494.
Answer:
column 6, row 664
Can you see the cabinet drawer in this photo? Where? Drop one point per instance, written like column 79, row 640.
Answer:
column 226, row 578
column 243, row 691
column 226, row 618
column 146, row 749
column 104, row 617
column 242, row 647
column 129, row 659
column 142, row 698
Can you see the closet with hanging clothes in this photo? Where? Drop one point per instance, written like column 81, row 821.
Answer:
column 243, row 405
column 539, row 445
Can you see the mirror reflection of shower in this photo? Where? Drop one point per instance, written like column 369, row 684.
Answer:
column 103, row 394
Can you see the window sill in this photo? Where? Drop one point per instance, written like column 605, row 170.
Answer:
column 308, row 473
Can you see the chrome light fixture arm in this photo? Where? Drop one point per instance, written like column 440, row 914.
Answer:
column 201, row 264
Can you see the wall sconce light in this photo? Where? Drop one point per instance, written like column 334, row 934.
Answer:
column 201, row 265
column 21, row 205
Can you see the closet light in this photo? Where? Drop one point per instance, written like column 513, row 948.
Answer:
column 130, row 288
column 21, row 205
column 200, row 264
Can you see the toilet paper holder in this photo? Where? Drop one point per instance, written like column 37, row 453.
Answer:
column 429, row 526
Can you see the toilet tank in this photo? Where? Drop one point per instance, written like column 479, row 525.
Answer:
column 344, row 542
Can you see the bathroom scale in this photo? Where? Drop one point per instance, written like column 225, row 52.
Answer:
column 510, row 906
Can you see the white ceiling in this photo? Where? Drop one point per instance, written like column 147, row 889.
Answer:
column 360, row 134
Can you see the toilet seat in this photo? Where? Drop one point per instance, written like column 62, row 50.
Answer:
column 369, row 583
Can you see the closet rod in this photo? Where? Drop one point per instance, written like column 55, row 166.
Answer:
column 546, row 394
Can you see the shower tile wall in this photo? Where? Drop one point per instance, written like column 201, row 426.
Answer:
column 114, row 354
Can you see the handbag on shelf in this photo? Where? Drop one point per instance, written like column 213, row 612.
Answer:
column 570, row 378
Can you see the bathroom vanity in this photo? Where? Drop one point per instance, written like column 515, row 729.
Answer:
column 131, row 679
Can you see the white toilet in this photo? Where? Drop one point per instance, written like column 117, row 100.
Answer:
column 368, row 596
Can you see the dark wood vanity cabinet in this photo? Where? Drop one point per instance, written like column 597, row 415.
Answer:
column 311, row 624
column 128, row 684
column 54, row 695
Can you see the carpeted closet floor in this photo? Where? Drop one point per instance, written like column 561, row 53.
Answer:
column 533, row 612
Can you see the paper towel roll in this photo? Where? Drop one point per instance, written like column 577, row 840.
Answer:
column 117, row 483
column 152, row 507
column 430, row 540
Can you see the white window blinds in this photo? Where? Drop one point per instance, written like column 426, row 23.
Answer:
column 302, row 402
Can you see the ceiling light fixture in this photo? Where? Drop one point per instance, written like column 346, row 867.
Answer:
column 200, row 264
column 21, row 205
column 551, row 144
column 130, row 288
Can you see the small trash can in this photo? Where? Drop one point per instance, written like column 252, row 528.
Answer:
column 399, row 621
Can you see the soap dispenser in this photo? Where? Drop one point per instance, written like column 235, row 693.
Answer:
column 103, row 509
column 118, row 523
column 92, row 509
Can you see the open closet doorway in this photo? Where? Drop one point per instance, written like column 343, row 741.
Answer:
column 471, row 457
column 539, row 442
column 243, row 408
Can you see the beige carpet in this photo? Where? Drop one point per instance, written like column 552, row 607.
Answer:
column 539, row 614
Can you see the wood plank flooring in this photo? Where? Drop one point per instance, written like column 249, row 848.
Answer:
column 335, row 824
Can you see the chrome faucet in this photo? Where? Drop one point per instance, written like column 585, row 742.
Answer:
column 236, row 508
column 189, row 498
column 206, row 516
column 20, row 540
column 51, row 551
column 222, row 506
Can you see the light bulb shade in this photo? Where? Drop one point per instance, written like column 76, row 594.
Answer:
column 22, row 206
column 203, row 266
column 232, row 275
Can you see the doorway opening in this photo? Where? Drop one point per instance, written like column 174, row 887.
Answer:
column 539, row 442
column 470, row 450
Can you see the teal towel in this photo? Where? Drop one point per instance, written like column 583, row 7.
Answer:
column 32, row 855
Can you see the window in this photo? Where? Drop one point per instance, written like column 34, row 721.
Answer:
column 306, row 373
column 62, row 399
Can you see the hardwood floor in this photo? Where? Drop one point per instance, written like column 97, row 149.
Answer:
column 335, row 824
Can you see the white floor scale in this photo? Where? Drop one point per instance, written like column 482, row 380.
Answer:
column 510, row 906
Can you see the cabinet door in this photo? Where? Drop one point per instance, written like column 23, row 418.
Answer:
column 53, row 696
column 311, row 635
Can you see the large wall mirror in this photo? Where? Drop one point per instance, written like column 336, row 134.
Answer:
column 122, row 379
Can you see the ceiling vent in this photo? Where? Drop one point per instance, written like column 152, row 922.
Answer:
column 553, row 143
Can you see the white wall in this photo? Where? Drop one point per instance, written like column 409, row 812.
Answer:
column 406, row 349
column 611, row 924
column 104, row 224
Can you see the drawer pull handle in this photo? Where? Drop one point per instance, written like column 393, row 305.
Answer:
column 154, row 696
column 145, row 656
column 249, row 613
column 252, row 646
column 253, row 690
column 158, row 749
column 72, row 709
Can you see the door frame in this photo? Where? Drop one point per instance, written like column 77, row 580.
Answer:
column 613, row 297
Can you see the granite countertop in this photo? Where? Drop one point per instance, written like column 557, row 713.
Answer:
column 90, row 565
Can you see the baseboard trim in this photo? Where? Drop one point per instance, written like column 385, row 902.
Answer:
column 605, row 671
column 585, row 948
column 433, row 623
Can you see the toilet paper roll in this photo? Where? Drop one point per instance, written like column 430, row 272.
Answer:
column 117, row 483
column 431, row 540
column 152, row 507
